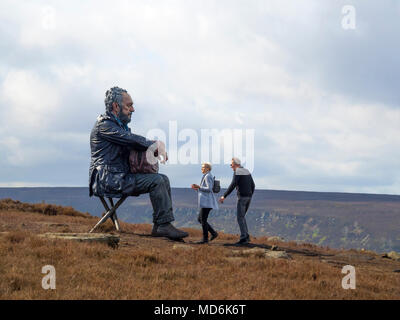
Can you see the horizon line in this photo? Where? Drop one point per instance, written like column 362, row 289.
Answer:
column 280, row 190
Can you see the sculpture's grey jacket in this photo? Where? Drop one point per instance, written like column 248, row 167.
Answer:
column 206, row 197
column 109, row 173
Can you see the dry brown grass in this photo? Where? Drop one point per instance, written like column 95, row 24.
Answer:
column 47, row 209
column 150, row 268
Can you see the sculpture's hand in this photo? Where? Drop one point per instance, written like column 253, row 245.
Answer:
column 162, row 153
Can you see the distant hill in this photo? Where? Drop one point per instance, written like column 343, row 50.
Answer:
column 337, row 220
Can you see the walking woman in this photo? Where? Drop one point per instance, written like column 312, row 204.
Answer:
column 207, row 201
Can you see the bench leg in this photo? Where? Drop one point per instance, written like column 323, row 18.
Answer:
column 114, row 217
column 109, row 213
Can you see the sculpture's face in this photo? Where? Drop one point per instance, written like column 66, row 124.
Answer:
column 124, row 112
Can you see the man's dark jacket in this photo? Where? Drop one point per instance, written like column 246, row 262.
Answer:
column 110, row 143
column 243, row 182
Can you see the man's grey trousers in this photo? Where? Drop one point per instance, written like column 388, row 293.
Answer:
column 243, row 204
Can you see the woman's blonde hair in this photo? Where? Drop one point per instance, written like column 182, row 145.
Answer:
column 207, row 165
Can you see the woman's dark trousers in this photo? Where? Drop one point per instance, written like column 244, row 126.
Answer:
column 203, row 216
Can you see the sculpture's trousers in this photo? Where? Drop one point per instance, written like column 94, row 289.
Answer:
column 160, row 194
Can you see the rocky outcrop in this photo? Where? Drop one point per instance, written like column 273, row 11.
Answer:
column 276, row 238
column 277, row 255
column 182, row 247
column 392, row 255
column 110, row 239
column 259, row 252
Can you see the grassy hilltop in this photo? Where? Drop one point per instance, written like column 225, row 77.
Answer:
column 143, row 267
column 337, row 220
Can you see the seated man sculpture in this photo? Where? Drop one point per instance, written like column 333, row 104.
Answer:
column 109, row 175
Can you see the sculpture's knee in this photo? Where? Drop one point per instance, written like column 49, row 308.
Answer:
column 166, row 179
column 158, row 180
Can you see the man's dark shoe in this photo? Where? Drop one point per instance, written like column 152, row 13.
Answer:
column 213, row 236
column 242, row 242
column 169, row 231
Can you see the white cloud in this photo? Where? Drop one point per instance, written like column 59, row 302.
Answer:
column 19, row 152
column 208, row 64
column 27, row 101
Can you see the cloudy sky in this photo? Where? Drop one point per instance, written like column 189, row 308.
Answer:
column 323, row 100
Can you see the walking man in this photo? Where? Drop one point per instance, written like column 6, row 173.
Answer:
column 244, row 184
